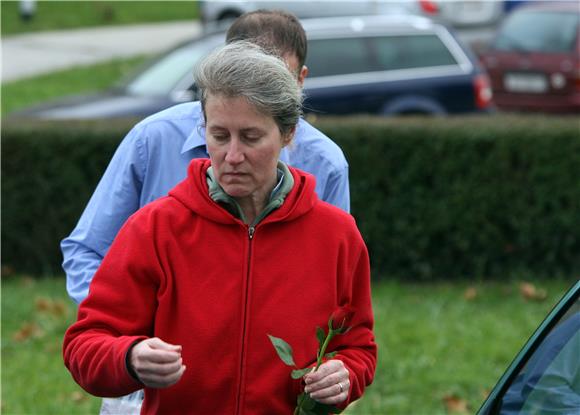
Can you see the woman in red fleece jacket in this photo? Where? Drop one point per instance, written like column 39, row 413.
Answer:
column 240, row 250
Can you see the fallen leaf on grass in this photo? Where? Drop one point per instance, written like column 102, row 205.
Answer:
column 470, row 294
column 455, row 405
column 484, row 393
column 530, row 292
column 53, row 347
column 78, row 397
column 45, row 305
column 59, row 308
column 42, row 304
column 7, row 271
column 27, row 331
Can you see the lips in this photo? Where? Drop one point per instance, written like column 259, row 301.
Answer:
column 233, row 177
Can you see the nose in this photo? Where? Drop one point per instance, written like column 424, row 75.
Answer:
column 234, row 153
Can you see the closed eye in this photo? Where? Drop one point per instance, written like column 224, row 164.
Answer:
column 252, row 138
column 251, row 135
column 219, row 137
column 218, row 134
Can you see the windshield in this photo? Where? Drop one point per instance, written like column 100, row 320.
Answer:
column 161, row 77
column 539, row 31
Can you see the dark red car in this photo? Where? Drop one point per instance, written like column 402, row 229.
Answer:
column 534, row 61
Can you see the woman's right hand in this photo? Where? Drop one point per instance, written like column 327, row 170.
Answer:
column 157, row 364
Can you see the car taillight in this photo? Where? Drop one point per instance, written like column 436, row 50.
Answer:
column 429, row 6
column 482, row 91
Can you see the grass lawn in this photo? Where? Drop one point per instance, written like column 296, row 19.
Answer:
column 57, row 15
column 35, row 315
column 436, row 342
column 23, row 93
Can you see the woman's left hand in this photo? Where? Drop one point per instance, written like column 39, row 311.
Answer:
column 330, row 384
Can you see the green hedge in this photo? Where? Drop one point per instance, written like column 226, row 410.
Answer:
column 49, row 172
column 482, row 197
column 466, row 197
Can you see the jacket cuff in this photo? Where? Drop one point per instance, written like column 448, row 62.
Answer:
column 128, row 366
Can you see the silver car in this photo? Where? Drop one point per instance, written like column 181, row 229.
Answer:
column 453, row 12
column 384, row 65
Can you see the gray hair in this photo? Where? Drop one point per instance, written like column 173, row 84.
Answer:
column 243, row 69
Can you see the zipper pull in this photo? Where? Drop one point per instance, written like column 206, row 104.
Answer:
column 251, row 231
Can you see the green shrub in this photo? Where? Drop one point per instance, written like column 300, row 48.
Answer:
column 434, row 198
column 49, row 172
column 465, row 197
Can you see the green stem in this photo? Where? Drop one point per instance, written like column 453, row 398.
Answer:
column 296, row 411
column 327, row 340
column 329, row 337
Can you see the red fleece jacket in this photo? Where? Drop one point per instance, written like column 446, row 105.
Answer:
column 185, row 270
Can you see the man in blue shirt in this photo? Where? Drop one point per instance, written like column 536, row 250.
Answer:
column 154, row 156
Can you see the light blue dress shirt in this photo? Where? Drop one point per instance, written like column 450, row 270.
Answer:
column 153, row 158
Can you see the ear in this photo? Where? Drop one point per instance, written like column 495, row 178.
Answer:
column 287, row 139
column 302, row 75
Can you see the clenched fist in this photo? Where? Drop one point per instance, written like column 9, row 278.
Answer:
column 156, row 363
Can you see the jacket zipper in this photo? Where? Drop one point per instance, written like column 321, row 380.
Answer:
column 251, row 231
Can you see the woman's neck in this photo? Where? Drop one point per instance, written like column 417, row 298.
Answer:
column 252, row 206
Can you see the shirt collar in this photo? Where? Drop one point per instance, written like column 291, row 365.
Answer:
column 196, row 138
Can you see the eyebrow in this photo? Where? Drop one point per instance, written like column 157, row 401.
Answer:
column 252, row 130
column 243, row 130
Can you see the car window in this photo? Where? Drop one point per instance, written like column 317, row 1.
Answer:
column 327, row 57
column 412, row 51
column 162, row 76
column 342, row 56
column 539, row 32
column 549, row 383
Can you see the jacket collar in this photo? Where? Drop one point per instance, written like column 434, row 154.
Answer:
column 193, row 193
column 277, row 196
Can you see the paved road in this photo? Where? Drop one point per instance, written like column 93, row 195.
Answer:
column 38, row 53
column 34, row 54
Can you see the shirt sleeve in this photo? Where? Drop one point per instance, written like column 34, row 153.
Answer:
column 118, row 312
column 116, row 197
column 318, row 155
column 336, row 191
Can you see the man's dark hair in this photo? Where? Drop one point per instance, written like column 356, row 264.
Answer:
column 277, row 31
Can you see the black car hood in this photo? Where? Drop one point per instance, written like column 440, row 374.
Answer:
column 110, row 104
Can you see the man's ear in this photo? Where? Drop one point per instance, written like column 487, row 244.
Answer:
column 302, row 75
column 287, row 139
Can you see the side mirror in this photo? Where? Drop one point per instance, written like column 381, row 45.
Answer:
column 190, row 94
column 195, row 92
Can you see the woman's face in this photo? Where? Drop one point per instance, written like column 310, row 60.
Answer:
column 244, row 146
